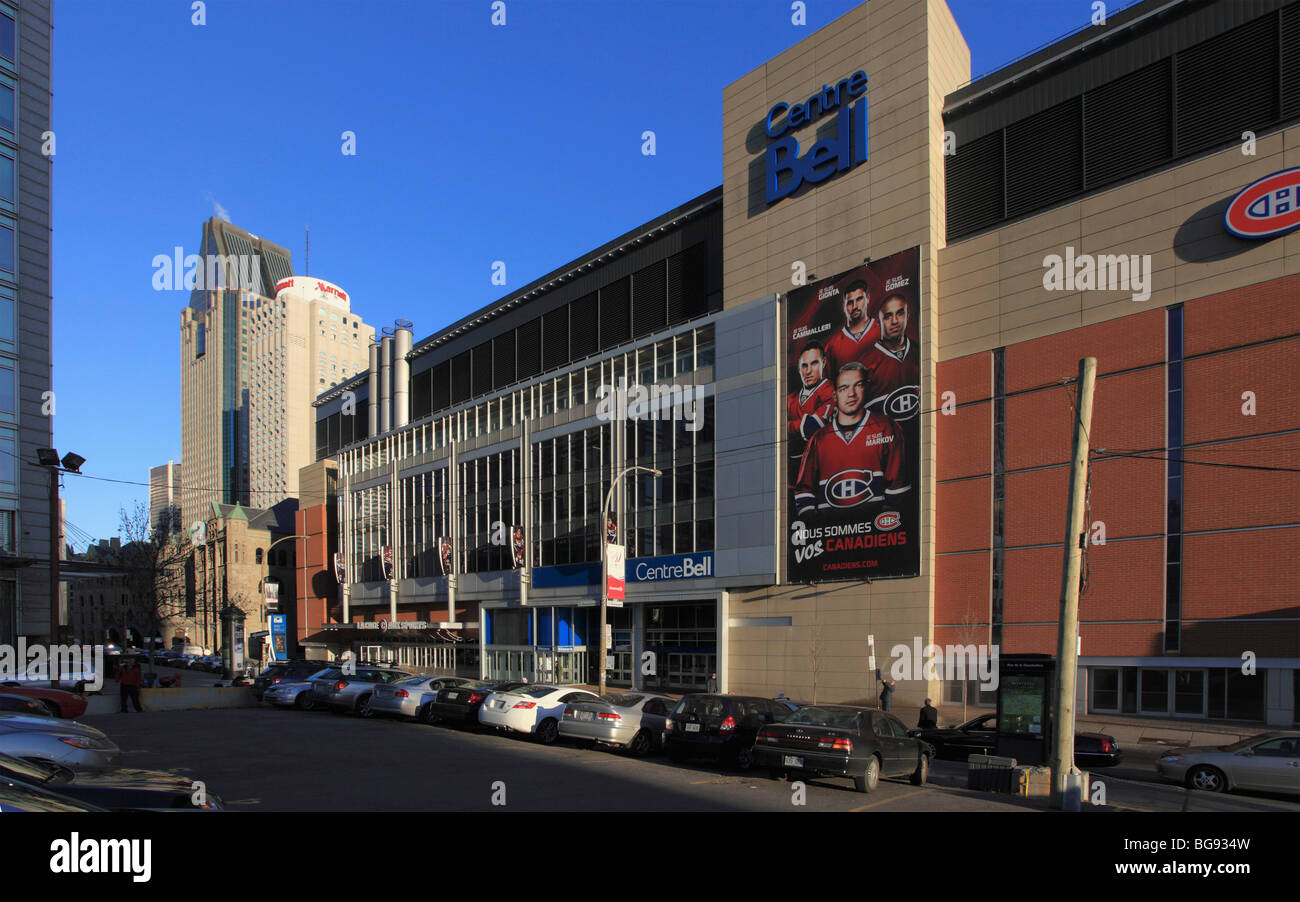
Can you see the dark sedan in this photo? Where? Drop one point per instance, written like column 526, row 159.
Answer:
column 980, row 737
column 842, row 741
column 721, row 727
column 285, row 672
column 118, row 788
column 460, row 704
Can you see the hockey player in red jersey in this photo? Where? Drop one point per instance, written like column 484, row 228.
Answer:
column 856, row 459
column 857, row 335
column 805, row 409
column 893, row 364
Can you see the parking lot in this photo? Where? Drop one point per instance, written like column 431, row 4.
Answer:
column 264, row 759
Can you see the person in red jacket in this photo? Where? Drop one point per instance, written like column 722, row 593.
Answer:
column 855, row 459
column 128, row 684
column 858, row 334
column 805, row 408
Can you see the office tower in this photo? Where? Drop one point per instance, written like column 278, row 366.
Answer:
column 257, row 345
column 165, row 494
column 26, row 37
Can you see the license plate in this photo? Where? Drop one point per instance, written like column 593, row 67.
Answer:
column 453, row 695
column 792, row 761
column 692, row 728
column 584, row 715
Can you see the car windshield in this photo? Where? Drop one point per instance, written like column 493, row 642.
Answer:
column 1247, row 742
column 29, row 771
column 701, row 705
column 621, row 700
column 843, row 718
column 416, row 681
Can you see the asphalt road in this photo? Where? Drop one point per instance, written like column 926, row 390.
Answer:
column 264, row 759
column 269, row 759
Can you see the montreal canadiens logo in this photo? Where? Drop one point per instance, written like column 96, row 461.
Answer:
column 903, row 403
column 1266, row 207
column 888, row 520
column 849, row 488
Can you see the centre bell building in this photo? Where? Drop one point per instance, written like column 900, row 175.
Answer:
column 855, row 366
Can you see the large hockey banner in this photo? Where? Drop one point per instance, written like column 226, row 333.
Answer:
column 853, row 423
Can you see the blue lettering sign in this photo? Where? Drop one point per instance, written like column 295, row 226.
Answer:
column 786, row 170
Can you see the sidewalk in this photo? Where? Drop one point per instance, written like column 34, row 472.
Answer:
column 1128, row 730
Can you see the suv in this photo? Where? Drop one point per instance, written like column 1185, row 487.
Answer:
column 286, row 672
column 351, row 692
column 719, row 726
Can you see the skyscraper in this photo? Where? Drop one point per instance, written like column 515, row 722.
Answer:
column 257, row 345
column 165, row 494
column 26, row 378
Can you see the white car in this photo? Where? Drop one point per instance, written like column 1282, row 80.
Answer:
column 535, row 708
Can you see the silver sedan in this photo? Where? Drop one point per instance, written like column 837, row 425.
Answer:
column 410, row 697
column 290, row 695
column 1269, row 762
column 69, row 743
column 630, row 720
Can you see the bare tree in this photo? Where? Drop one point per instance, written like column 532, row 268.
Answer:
column 969, row 633
column 153, row 558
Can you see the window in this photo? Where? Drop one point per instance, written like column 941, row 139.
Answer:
column 8, row 248
column 8, row 42
column 8, row 462
column 7, row 106
column 8, row 391
column 8, row 186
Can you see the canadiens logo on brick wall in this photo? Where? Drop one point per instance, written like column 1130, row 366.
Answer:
column 853, row 404
column 1267, row 207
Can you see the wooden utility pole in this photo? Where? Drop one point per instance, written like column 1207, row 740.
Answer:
column 1065, row 792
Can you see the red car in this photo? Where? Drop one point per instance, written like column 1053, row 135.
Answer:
column 60, row 702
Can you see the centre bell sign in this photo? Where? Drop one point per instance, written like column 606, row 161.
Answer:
column 786, row 170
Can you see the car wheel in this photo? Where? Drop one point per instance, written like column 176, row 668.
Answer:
column 1209, row 779
column 922, row 771
column 304, row 701
column 427, row 715
column 641, row 744
column 745, row 758
column 363, row 706
column 51, row 707
column 548, row 731
column 867, row 782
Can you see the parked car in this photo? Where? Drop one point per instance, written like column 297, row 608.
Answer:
column 286, row 671
column 18, row 704
column 979, row 736
column 351, row 692
column 58, row 702
column 296, row 694
column 460, row 704
column 1267, row 762
column 721, row 727
column 842, row 741
column 117, row 788
column 69, row 743
column 632, row 721
column 411, row 697
column 61, row 674
column 535, row 709
column 15, row 796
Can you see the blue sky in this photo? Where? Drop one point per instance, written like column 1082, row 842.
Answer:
column 474, row 143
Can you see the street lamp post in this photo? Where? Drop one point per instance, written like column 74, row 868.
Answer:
column 267, row 561
column 604, row 562
column 48, row 458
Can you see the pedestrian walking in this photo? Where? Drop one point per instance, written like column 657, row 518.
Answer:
column 128, row 684
column 929, row 719
column 713, row 682
column 886, row 693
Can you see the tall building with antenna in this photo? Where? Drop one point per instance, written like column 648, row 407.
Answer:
column 257, row 346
